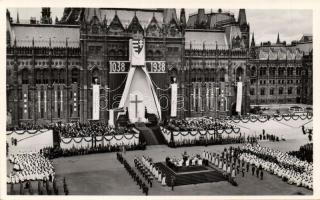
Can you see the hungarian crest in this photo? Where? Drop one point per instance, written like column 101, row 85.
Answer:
column 137, row 45
column 137, row 51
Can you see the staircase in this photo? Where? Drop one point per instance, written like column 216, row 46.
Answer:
column 190, row 178
column 147, row 133
column 157, row 132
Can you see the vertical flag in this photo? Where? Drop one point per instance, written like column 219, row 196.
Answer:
column 174, row 98
column 239, row 97
column 45, row 100
column 61, row 100
column 207, row 97
column 95, row 101
column 194, row 97
column 137, row 51
column 39, row 100
column 111, row 118
column 55, row 100
column 25, row 101
column 200, row 99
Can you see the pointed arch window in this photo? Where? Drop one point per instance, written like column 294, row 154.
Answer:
column 75, row 75
column 24, row 76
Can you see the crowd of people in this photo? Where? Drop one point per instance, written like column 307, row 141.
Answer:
column 197, row 124
column 144, row 171
column 202, row 141
column 228, row 162
column 30, row 166
column 153, row 170
column 44, row 187
column 56, row 152
column 133, row 174
column 304, row 153
column 27, row 126
column 176, row 163
column 288, row 167
column 87, row 129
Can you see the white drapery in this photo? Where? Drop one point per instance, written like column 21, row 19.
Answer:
column 95, row 102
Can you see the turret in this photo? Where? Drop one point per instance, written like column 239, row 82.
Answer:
column 46, row 16
column 201, row 19
column 253, row 43
column 278, row 39
column 183, row 20
column 242, row 18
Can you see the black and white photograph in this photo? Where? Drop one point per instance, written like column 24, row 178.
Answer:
column 127, row 101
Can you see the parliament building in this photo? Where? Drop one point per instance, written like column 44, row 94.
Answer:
column 53, row 64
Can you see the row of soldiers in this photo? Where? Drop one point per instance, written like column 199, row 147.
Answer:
column 230, row 163
column 144, row 171
column 133, row 174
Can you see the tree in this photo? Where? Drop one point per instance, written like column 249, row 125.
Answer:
column 11, row 188
column 30, row 188
column 21, row 188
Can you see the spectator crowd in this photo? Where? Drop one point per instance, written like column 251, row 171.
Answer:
column 197, row 124
column 30, row 166
column 288, row 167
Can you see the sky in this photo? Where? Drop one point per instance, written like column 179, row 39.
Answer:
column 266, row 24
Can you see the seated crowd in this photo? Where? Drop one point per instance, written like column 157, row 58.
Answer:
column 288, row 167
column 56, row 152
column 87, row 129
column 30, row 166
column 197, row 125
column 27, row 126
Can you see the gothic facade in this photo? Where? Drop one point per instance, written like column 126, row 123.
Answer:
column 51, row 67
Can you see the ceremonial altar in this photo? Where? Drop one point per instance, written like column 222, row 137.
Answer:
column 186, row 163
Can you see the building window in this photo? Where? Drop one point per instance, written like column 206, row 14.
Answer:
column 281, row 90
column 38, row 76
column 263, row 72
column 298, row 71
column 272, row 71
column 271, row 91
column 75, row 75
column 262, row 91
column 290, row 90
column 251, row 91
column 298, row 91
column 24, row 76
column 281, row 71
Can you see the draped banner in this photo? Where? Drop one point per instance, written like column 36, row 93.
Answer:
column 29, row 140
column 86, row 142
column 137, row 51
column 95, row 101
column 25, row 100
column 174, row 94
column 239, row 97
column 111, row 118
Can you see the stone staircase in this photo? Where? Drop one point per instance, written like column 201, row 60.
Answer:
column 147, row 133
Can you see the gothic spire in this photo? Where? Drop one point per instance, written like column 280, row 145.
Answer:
column 18, row 20
column 242, row 18
column 183, row 18
column 278, row 39
column 253, row 43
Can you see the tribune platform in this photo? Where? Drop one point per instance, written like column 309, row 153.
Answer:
column 191, row 175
